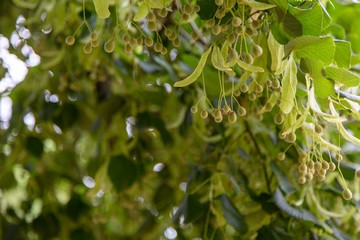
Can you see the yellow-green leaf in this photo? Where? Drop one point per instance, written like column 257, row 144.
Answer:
column 102, row 8
column 158, row 3
column 340, row 75
column 142, row 11
column 341, row 128
column 289, row 83
column 249, row 67
column 218, row 61
column 259, row 5
column 194, row 76
column 277, row 54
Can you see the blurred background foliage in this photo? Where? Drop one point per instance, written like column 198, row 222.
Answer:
column 101, row 146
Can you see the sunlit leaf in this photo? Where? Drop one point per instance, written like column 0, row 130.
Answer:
column 277, row 54
column 317, row 48
column 142, row 11
column 289, row 83
column 259, row 5
column 197, row 72
column 102, row 8
column 218, row 61
column 342, row 55
column 344, row 133
column 323, row 87
column 249, row 67
column 340, row 75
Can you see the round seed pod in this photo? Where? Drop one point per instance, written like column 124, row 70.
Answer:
column 302, row 180
column 70, row 40
column 95, row 43
column 185, row 17
column 257, row 50
column 275, row 83
column 219, row 120
column 244, row 88
column 249, row 59
column 163, row 12
column 152, row 26
column 224, row 27
column 302, row 157
column 164, row 50
column 322, row 172
column 347, row 194
column 252, row 96
column 338, row 157
column 133, row 42
column 216, row 30
column 217, row 113
column 232, row 117
column 241, row 111
column 291, row 137
column 204, row 114
column 309, row 176
column 93, row 36
column 168, row 32
column 194, row 109
column 318, row 128
column 128, row 48
column 227, row 108
column 87, row 48
column 325, row 165
column 320, row 178
column 332, row 166
column 158, row 46
column 210, row 23
column 278, row 119
column 188, row 9
column 149, row 42
column 219, row 2
column 236, row 21
column 176, row 42
column 109, row 46
column 311, row 164
column 151, row 17
column 317, row 166
column 303, row 168
column 196, row 8
column 281, row 156
column 268, row 106
column 258, row 88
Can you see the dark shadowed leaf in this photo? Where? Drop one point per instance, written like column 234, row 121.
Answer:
column 34, row 146
column 232, row 215
column 284, row 183
column 122, row 172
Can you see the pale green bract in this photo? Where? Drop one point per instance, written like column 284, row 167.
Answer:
column 218, row 61
column 194, row 76
column 102, row 8
column 277, row 54
column 289, row 83
column 142, row 11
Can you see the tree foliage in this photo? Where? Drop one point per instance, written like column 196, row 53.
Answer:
column 207, row 119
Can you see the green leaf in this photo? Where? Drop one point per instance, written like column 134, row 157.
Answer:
column 259, row 5
column 122, row 172
column 102, row 8
column 249, row 67
column 198, row 70
column 218, row 61
column 158, row 4
column 293, row 212
column 232, row 215
column 317, row 48
column 289, row 83
column 284, row 183
column 141, row 12
column 344, row 133
column 323, row 87
column 34, row 146
column 313, row 19
column 340, row 75
column 342, row 55
column 26, row 3
column 190, row 209
column 277, row 54
column 290, row 26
